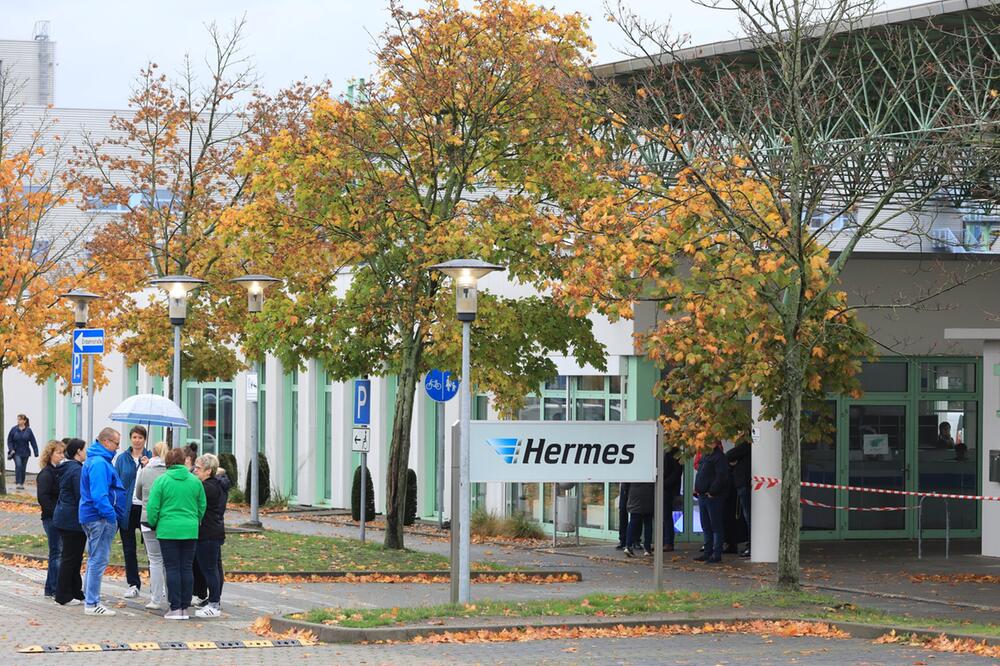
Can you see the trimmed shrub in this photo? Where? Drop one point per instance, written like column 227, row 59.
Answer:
column 411, row 498
column 263, row 481
column 356, row 495
column 227, row 461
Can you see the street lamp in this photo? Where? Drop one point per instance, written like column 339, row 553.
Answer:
column 255, row 285
column 81, row 298
column 466, row 274
column 177, row 288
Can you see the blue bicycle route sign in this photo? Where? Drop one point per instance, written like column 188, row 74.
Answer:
column 440, row 386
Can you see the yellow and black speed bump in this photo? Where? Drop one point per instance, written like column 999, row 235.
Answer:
column 170, row 645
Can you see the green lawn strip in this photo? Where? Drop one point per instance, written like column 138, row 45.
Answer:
column 278, row 552
column 600, row 605
column 875, row 616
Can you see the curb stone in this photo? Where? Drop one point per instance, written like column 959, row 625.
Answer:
column 326, row 633
column 540, row 574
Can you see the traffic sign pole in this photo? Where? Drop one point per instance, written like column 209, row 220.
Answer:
column 90, row 398
column 364, row 494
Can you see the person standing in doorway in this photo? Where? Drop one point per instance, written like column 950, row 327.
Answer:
column 711, row 484
column 622, row 517
column 20, row 445
column 103, row 509
column 47, row 486
column 66, row 518
column 127, row 464
column 175, row 508
column 640, row 517
column 739, row 463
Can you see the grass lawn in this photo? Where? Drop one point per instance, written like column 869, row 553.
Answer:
column 875, row 616
column 279, row 552
column 600, row 605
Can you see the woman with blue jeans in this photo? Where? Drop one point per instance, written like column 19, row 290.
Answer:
column 48, row 496
column 20, row 443
column 174, row 509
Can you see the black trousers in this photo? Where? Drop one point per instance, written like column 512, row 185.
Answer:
column 70, row 583
column 129, row 546
column 623, row 515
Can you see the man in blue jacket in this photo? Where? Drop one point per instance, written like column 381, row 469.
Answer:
column 127, row 464
column 103, row 508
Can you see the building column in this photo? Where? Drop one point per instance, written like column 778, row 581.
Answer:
column 990, row 441
column 765, row 504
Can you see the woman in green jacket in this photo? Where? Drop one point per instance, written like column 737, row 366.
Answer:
column 175, row 508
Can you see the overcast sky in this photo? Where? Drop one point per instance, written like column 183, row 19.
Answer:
column 101, row 44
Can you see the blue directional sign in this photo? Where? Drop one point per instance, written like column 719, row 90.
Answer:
column 88, row 341
column 440, row 386
column 362, row 402
column 77, row 368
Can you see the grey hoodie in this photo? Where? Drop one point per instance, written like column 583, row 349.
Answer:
column 144, row 482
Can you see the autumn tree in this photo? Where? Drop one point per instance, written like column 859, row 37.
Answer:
column 742, row 183
column 39, row 258
column 451, row 150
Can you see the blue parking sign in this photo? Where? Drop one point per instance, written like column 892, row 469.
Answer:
column 362, row 402
column 77, row 368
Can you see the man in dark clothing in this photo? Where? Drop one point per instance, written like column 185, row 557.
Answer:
column 673, row 473
column 640, row 510
column 711, row 485
column 622, row 516
column 739, row 464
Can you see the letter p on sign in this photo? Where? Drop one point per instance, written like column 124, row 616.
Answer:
column 362, row 402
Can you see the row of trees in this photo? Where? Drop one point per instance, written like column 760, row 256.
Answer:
column 709, row 190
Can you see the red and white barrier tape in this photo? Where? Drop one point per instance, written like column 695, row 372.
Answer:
column 763, row 482
column 809, row 502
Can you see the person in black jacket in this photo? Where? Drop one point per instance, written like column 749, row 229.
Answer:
column 640, row 517
column 20, row 444
column 66, row 518
column 622, row 516
column 711, row 485
column 739, row 463
column 47, row 486
column 673, row 473
column 212, row 531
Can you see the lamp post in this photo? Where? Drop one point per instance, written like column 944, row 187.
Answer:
column 177, row 287
column 81, row 298
column 466, row 274
column 255, row 303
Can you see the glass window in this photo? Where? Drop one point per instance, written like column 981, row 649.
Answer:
column 884, row 377
column 590, row 383
column 557, row 384
column 225, row 428
column 594, row 508
column 209, row 420
column 615, row 384
column 948, row 451
column 877, row 459
column 614, row 410
column 530, row 411
column 590, row 409
column 819, row 465
column 957, row 377
column 555, row 409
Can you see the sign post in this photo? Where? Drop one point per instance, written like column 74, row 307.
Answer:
column 87, row 341
column 77, row 389
column 441, row 388
column 360, row 440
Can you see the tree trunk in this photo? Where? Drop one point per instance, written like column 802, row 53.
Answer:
column 791, row 516
column 399, row 450
column 3, row 458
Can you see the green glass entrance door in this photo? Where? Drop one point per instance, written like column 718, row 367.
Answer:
column 877, row 457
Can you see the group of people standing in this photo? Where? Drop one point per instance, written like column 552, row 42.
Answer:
column 722, row 486
column 174, row 498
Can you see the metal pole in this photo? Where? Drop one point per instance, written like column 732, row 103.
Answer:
column 555, row 512
column 254, row 448
column 90, row 398
column 364, row 493
column 579, row 510
column 439, row 462
column 658, row 517
column 176, row 379
column 464, row 489
column 920, row 528
column 456, row 437
column 947, row 530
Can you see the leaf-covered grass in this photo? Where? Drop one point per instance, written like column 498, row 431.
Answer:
column 279, row 552
column 876, row 616
column 596, row 605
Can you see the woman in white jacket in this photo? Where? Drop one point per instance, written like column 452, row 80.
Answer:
column 143, row 482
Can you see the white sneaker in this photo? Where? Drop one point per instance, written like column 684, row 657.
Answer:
column 175, row 615
column 73, row 602
column 132, row 593
column 98, row 610
column 152, row 605
column 199, row 601
column 210, row 610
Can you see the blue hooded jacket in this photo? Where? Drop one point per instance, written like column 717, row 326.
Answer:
column 127, row 469
column 102, row 495
column 67, row 513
